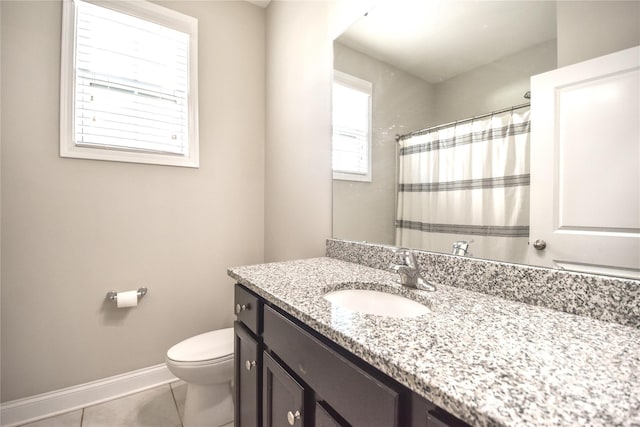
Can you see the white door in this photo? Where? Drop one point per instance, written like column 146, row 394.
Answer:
column 585, row 166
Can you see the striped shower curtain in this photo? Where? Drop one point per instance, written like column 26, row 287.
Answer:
column 468, row 181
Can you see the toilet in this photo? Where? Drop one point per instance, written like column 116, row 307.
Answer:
column 205, row 363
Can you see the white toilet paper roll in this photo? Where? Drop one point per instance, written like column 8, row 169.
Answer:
column 127, row 299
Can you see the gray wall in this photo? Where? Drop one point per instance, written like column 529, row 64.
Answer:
column 298, row 151
column 74, row 229
column 401, row 103
column 588, row 29
column 500, row 84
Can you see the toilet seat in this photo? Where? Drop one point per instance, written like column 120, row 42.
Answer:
column 208, row 348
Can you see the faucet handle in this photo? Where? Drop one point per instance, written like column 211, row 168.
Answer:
column 461, row 247
column 408, row 256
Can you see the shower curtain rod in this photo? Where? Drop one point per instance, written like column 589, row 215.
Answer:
column 470, row 119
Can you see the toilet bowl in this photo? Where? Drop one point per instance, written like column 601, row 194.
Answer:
column 205, row 363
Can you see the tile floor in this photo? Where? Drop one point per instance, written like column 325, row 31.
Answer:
column 158, row 407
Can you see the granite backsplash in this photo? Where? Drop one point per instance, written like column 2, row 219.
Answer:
column 606, row 298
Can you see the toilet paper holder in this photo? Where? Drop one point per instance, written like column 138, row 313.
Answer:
column 113, row 295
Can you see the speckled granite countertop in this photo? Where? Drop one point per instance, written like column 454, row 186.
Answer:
column 487, row 360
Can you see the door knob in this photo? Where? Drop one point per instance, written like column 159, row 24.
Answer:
column 249, row 364
column 539, row 244
column 292, row 417
column 242, row 307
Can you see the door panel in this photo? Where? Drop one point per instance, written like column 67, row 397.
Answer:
column 585, row 165
column 247, row 378
column 283, row 396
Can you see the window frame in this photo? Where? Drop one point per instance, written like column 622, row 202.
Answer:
column 150, row 12
column 365, row 86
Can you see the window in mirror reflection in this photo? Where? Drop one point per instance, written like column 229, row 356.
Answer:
column 351, row 128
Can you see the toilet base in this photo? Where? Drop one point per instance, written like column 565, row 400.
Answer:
column 208, row 405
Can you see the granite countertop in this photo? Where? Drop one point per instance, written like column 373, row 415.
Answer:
column 487, row 360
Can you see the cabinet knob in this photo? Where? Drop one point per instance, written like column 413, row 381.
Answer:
column 292, row 417
column 242, row 307
column 249, row 364
column 539, row 244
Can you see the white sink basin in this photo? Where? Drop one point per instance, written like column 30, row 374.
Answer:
column 375, row 302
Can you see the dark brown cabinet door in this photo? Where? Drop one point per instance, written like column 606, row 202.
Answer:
column 247, row 378
column 283, row 396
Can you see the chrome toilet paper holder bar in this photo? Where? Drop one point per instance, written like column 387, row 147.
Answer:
column 113, row 295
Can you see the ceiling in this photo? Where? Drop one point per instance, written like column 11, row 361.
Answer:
column 439, row 39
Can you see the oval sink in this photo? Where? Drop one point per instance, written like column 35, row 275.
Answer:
column 375, row 302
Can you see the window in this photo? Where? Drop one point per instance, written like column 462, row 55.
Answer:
column 129, row 83
column 351, row 128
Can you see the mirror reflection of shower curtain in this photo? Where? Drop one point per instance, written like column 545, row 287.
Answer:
column 468, row 181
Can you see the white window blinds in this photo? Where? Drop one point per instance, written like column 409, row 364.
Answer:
column 131, row 83
column 351, row 128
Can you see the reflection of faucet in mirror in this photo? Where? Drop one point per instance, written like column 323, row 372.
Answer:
column 461, row 247
column 410, row 275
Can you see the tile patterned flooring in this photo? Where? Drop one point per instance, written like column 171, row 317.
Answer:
column 158, row 407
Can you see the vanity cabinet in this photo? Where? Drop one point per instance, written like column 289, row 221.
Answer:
column 287, row 374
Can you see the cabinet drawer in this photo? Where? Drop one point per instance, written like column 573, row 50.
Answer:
column 247, row 308
column 358, row 397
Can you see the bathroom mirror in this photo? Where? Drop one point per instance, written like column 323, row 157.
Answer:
column 435, row 62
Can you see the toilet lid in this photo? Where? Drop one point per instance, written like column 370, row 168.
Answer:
column 210, row 345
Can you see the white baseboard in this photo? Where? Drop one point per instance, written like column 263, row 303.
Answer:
column 29, row 409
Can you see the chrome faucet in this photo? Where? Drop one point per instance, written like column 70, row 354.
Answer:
column 461, row 247
column 410, row 275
